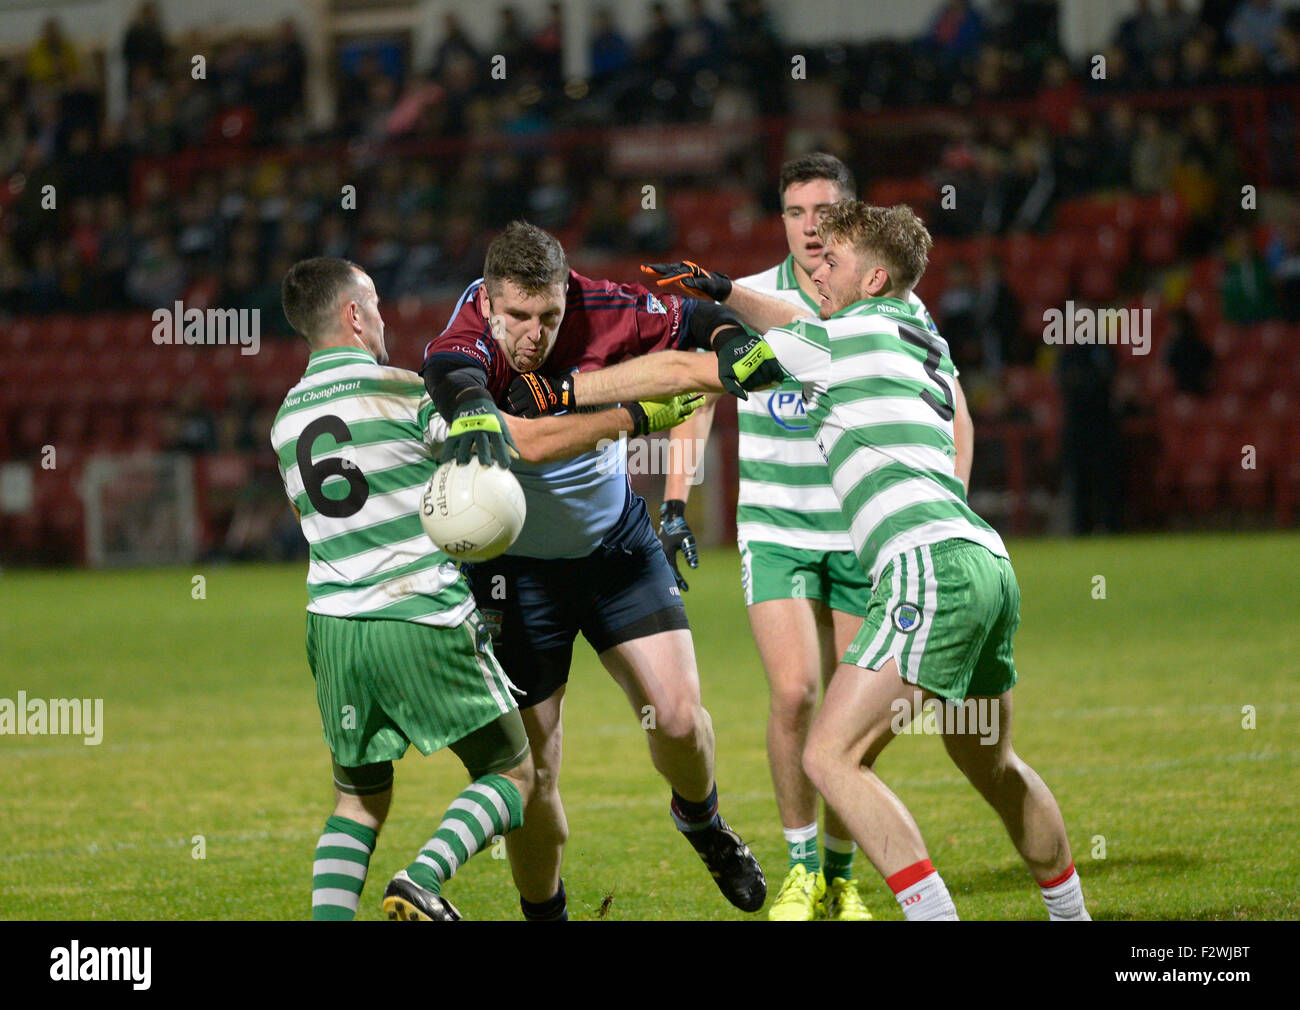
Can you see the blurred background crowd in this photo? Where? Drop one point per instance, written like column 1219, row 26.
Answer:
column 1158, row 172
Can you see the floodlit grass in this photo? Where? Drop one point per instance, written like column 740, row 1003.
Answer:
column 1130, row 707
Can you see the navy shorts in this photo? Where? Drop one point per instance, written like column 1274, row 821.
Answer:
column 535, row 607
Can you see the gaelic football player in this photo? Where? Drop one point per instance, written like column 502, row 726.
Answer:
column 397, row 649
column 945, row 605
column 804, row 590
column 530, row 334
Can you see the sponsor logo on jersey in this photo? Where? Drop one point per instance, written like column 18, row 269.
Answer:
column 653, row 304
column 907, row 618
column 482, row 347
column 787, row 410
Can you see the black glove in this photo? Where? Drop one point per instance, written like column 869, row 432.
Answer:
column 477, row 427
column 689, row 279
column 745, row 362
column 532, row 395
column 675, row 535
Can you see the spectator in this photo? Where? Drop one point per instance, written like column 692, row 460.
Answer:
column 609, row 53
column 699, row 42
column 956, row 31
column 512, row 41
column 548, row 45
column 956, row 316
column 455, row 43
column 997, row 320
column 144, row 45
column 1283, row 259
column 1090, row 454
column 1255, row 32
column 1153, row 156
column 1246, row 290
column 1189, row 358
column 53, row 59
column 1078, row 156
column 1135, row 34
column 194, row 427
column 550, row 204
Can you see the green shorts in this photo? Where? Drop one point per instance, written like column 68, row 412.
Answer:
column 384, row 685
column 776, row 572
column 946, row 613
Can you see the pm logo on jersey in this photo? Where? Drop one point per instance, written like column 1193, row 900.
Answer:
column 787, row 410
column 907, row 618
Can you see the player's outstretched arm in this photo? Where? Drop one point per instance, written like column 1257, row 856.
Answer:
column 762, row 312
column 963, row 431
column 757, row 311
column 548, row 439
column 651, row 376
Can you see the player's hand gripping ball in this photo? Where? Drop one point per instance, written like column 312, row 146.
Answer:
column 472, row 511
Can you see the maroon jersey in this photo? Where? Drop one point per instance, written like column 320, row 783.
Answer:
column 604, row 323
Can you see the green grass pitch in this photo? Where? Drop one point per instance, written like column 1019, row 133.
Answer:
column 1131, row 707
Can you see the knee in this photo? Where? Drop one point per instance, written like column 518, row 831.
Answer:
column 680, row 721
column 793, row 704
column 818, row 758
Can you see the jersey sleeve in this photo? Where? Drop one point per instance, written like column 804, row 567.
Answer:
column 660, row 320
column 433, row 429
column 803, row 349
column 469, row 337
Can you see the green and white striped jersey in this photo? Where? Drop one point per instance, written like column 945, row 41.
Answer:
column 785, row 488
column 357, row 443
column 878, row 384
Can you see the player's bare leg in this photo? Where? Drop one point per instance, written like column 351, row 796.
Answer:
column 854, row 725
column 371, row 810
column 786, row 634
column 536, row 849
column 659, row 671
column 658, row 674
column 1021, row 798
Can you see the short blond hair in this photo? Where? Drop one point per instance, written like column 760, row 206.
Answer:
column 895, row 234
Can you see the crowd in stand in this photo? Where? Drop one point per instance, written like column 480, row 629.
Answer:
column 226, row 233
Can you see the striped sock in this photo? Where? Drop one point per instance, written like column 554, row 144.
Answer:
column 839, row 858
column 339, row 872
column 921, row 892
column 491, row 806
column 1064, row 898
column 802, row 843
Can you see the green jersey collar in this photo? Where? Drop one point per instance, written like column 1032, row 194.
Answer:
column 336, row 357
column 891, row 306
column 787, row 280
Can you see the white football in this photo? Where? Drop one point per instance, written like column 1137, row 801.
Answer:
column 472, row 512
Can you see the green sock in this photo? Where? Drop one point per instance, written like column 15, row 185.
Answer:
column 839, row 858
column 339, row 871
column 491, row 806
column 802, row 843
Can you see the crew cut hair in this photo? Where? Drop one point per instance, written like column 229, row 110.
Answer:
column 818, row 165
column 310, row 292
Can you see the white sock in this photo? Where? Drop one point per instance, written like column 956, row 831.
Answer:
column 801, row 841
column 1064, row 898
column 921, row 893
